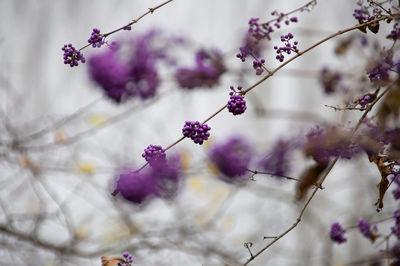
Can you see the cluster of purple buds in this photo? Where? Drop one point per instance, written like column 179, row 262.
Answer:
column 364, row 101
column 381, row 69
column 337, row 233
column 196, row 131
column 365, row 229
column 236, row 104
column 395, row 33
column 361, row 14
column 161, row 180
column 96, row 39
column 232, row 158
column 128, row 260
column 251, row 46
column 282, row 17
column 259, row 31
column 258, row 66
column 288, row 48
column 72, row 56
column 154, row 154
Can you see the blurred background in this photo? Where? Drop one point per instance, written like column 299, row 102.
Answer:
column 62, row 141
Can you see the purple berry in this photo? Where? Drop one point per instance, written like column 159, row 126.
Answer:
column 72, row 56
column 337, row 233
column 236, row 104
column 153, row 154
column 96, row 39
column 196, row 131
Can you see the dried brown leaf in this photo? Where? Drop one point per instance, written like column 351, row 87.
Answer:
column 383, row 185
column 308, row 178
column 343, row 46
column 390, row 107
column 374, row 27
column 110, row 261
column 362, row 28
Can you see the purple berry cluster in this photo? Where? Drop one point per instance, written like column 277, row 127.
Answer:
column 251, row 46
column 236, row 104
column 206, row 73
column 380, row 69
column 365, row 229
column 232, row 158
column 128, row 260
column 162, row 180
column 395, row 33
column 259, row 31
column 337, row 233
column 258, row 66
column 282, row 17
column 96, row 39
column 132, row 75
column 364, row 100
column 396, row 228
column 287, row 48
column 361, row 14
column 154, row 154
column 72, row 56
column 197, row 131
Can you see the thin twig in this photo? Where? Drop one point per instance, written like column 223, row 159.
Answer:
column 319, row 183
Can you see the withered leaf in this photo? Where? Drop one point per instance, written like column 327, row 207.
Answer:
column 110, row 261
column 343, row 46
column 362, row 28
column 308, row 178
column 390, row 107
column 374, row 27
column 383, row 185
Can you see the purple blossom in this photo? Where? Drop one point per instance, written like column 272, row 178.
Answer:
column 209, row 67
column 232, row 158
column 337, row 233
column 277, row 161
column 128, row 70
